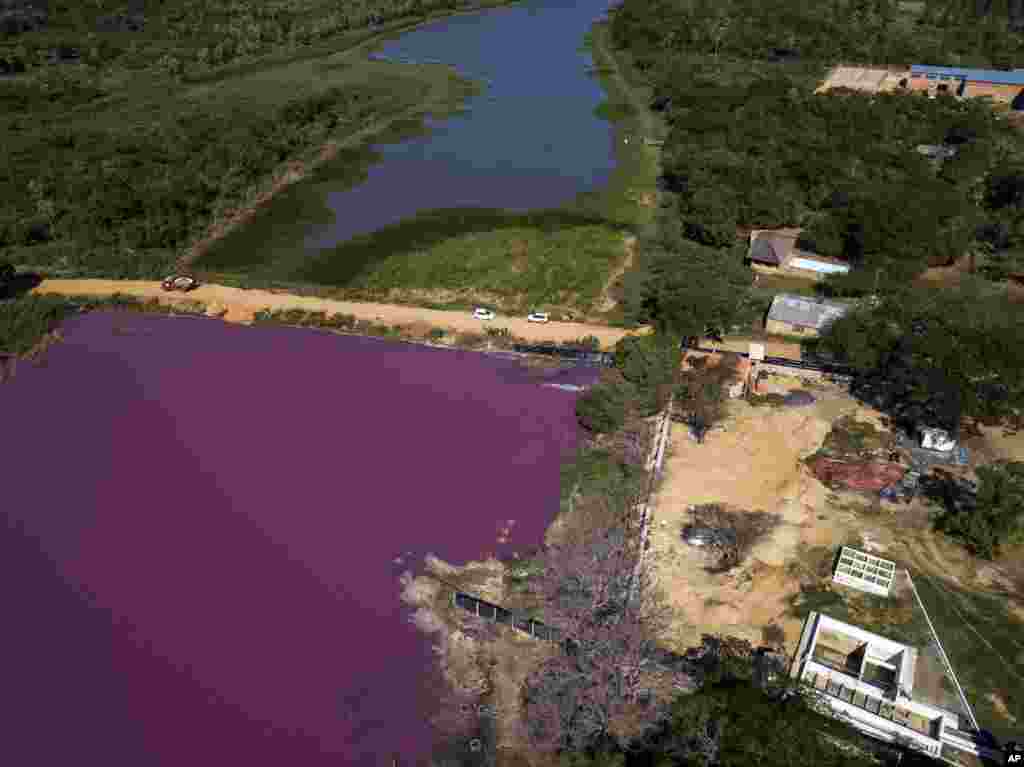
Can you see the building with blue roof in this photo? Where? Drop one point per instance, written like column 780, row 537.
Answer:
column 1002, row 86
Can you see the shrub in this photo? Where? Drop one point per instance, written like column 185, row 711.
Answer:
column 436, row 333
column 651, row 363
column 470, row 339
column 591, row 343
column 984, row 519
column 344, row 321
column 604, row 408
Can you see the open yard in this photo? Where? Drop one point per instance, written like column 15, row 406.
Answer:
column 754, row 464
column 977, row 607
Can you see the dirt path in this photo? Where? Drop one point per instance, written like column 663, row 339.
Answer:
column 290, row 173
column 641, row 111
column 238, row 305
column 608, row 303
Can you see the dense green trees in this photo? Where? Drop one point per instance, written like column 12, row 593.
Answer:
column 684, row 289
column 732, row 159
column 651, row 365
column 603, row 408
column 987, row 519
column 853, row 30
column 116, row 205
column 186, row 38
column 937, row 355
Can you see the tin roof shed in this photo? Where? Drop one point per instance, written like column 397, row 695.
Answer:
column 806, row 312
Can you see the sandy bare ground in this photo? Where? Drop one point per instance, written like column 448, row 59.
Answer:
column 238, row 305
column 487, row 665
column 867, row 79
column 753, row 464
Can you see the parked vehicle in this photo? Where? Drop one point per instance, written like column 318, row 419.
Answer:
column 706, row 536
column 181, row 282
column 483, row 314
column 538, row 317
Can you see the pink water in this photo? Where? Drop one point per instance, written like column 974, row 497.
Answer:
column 198, row 526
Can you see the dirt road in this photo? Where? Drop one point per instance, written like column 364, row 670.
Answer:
column 238, row 305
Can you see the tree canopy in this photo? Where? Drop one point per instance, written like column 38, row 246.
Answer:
column 684, row 289
column 990, row 518
column 942, row 354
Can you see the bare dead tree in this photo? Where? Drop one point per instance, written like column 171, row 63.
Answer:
column 701, row 393
column 736, row 532
column 607, row 685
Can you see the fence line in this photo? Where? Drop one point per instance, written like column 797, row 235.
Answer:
column 606, row 359
column 823, row 367
column 654, row 464
column 498, row 614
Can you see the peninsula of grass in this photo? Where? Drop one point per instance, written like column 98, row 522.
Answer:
column 558, row 260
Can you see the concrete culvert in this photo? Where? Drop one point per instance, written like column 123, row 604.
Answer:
column 798, row 398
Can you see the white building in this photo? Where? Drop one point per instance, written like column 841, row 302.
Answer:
column 864, row 571
column 936, row 439
column 868, row 680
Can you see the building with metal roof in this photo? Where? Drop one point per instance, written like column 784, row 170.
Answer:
column 1003, row 87
column 993, row 76
column 802, row 315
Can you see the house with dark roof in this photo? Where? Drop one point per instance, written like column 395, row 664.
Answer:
column 779, row 250
column 802, row 315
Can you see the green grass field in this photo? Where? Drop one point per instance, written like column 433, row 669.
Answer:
column 985, row 644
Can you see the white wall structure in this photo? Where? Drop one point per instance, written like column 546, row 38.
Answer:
column 825, row 267
column 864, row 571
column 868, row 681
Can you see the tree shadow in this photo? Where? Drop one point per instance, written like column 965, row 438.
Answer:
column 19, row 285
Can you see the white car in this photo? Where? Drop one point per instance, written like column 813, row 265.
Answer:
column 537, row 317
column 181, row 282
column 483, row 314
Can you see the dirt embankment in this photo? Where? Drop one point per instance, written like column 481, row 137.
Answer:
column 483, row 664
column 238, row 305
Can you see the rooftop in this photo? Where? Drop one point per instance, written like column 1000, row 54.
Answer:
column 996, row 76
column 802, row 311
